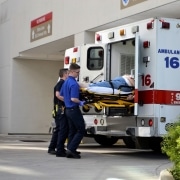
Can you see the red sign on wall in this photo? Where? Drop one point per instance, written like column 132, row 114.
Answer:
column 41, row 27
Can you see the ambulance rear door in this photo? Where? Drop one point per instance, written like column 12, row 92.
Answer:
column 137, row 73
column 92, row 62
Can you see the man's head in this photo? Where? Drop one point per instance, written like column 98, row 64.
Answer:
column 74, row 70
column 63, row 73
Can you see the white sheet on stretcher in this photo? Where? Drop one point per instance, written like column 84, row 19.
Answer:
column 105, row 90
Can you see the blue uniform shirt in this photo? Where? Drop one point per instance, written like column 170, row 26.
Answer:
column 70, row 89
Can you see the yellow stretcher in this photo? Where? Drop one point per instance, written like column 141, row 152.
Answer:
column 100, row 101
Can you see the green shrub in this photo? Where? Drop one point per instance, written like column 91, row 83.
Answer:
column 171, row 147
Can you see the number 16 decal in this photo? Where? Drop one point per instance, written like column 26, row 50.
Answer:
column 146, row 80
column 172, row 62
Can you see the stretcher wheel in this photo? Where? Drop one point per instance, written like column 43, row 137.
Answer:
column 86, row 108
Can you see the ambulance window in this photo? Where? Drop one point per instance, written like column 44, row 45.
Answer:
column 95, row 58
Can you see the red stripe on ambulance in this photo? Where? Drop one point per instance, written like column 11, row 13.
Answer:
column 157, row 97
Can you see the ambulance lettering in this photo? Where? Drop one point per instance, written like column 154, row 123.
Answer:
column 170, row 62
column 178, row 96
column 146, row 80
column 168, row 51
column 175, row 98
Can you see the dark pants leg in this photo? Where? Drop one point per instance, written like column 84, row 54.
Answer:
column 62, row 134
column 53, row 142
column 76, row 128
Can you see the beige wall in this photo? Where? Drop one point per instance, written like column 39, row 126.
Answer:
column 69, row 17
column 32, row 95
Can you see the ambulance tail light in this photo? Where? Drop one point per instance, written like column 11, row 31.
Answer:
column 122, row 32
column 98, row 37
column 146, row 44
column 142, row 122
column 66, row 60
column 135, row 29
column 75, row 49
column 150, row 25
column 95, row 121
column 165, row 25
column 150, row 122
column 73, row 60
column 111, row 35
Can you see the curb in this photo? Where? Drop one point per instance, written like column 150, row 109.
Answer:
column 165, row 175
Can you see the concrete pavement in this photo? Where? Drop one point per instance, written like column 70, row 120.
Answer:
column 24, row 157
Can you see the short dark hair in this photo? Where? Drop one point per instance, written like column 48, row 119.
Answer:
column 62, row 72
column 74, row 66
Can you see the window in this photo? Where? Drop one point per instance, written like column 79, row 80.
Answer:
column 126, row 63
column 95, row 58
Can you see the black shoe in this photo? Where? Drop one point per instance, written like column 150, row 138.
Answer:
column 51, row 151
column 78, row 152
column 70, row 154
column 63, row 154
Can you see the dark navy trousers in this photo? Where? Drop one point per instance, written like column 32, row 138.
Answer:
column 76, row 127
column 60, row 133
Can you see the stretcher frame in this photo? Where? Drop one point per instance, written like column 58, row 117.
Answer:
column 100, row 101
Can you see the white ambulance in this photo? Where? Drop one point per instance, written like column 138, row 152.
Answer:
column 149, row 50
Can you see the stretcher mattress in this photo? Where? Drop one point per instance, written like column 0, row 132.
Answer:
column 105, row 90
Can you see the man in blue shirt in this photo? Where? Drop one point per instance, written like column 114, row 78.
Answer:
column 70, row 92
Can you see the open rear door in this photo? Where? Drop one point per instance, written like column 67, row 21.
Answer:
column 93, row 63
column 91, row 58
column 137, row 74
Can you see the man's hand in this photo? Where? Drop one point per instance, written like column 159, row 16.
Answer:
column 130, row 97
column 81, row 103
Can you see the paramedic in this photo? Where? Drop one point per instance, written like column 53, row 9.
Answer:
column 70, row 92
column 60, row 132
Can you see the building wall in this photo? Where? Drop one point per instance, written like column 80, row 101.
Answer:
column 69, row 17
column 32, row 95
column 26, row 85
